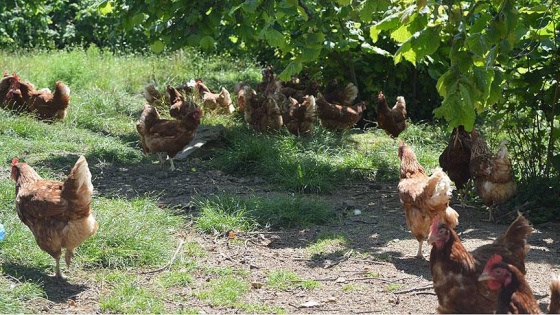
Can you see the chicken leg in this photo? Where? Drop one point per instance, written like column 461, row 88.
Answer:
column 490, row 214
column 419, row 254
column 58, row 274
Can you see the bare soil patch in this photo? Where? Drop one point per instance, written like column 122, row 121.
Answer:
column 375, row 273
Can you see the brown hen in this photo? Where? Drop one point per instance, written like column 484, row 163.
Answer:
column 220, row 102
column 162, row 135
column 23, row 96
column 516, row 296
column 338, row 117
column 455, row 159
column 423, row 197
column 333, row 93
column 180, row 106
column 455, row 271
column 301, row 116
column 299, row 94
column 58, row 213
column 492, row 174
column 392, row 120
column 261, row 111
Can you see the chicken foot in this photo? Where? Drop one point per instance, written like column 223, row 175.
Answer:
column 419, row 254
column 160, row 158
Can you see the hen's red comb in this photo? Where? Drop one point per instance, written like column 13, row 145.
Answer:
column 494, row 260
column 14, row 161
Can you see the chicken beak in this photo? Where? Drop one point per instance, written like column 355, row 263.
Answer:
column 484, row 277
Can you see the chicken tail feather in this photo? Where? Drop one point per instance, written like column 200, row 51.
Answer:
column 79, row 180
column 350, row 93
column 62, row 93
column 515, row 238
column 554, row 306
column 439, row 186
column 451, row 217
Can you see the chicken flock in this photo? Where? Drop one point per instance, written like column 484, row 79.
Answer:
column 489, row 279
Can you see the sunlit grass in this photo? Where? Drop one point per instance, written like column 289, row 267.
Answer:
column 223, row 212
column 328, row 243
column 227, row 290
column 285, row 280
column 127, row 294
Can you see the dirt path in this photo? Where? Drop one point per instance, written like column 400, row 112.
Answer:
column 374, row 273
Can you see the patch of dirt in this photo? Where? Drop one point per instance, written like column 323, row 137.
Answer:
column 376, row 272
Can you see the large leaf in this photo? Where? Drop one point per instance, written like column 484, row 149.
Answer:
column 207, row 43
column 106, row 7
column 387, row 23
column 477, row 44
column 275, row 38
column 294, row 67
column 457, row 107
column 157, row 46
column 419, row 45
column 310, row 54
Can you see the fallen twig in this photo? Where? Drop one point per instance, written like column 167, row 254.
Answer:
column 422, row 288
column 170, row 261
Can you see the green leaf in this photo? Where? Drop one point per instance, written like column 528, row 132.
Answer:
column 294, row 67
column 309, row 54
column 407, row 13
column 250, row 6
column 106, row 7
column 344, row 2
column 401, row 34
column 207, row 43
column 419, row 45
column 389, row 22
column 275, row 38
column 483, row 78
column 407, row 52
column 157, row 46
column 496, row 90
column 457, row 107
column 314, row 40
column 478, row 44
column 369, row 7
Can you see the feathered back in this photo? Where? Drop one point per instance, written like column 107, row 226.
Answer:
column 410, row 166
column 479, row 146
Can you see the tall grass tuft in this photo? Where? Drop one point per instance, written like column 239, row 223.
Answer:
column 223, row 213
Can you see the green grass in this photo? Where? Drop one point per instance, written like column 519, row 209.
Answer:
column 226, row 290
column 286, row 280
column 223, row 213
column 328, row 244
column 129, row 295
